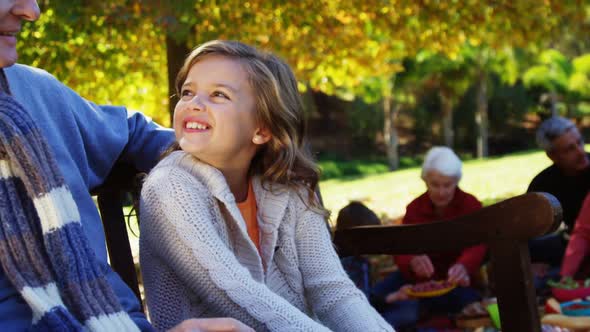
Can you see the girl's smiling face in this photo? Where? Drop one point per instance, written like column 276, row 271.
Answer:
column 215, row 118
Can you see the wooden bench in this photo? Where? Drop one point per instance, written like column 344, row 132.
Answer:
column 505, row 227
column 111, row 198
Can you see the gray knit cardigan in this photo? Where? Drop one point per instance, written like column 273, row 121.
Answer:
column 198, row 261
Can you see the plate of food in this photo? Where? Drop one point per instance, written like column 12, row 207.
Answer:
column 576, row 308
column 569, row 289
column 431, row 288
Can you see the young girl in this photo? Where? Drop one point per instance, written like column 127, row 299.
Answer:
column 230, row 223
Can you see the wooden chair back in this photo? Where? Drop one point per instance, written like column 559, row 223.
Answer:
column 505, row 227
column 111, row 197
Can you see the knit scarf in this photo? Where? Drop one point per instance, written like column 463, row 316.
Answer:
column 43, row 249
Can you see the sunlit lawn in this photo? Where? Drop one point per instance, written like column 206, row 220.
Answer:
column 490, row 180
column 388, row 194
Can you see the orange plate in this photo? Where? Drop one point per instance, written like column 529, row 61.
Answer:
column 433, row 293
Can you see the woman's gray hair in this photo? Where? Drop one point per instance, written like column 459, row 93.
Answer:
column 551, row 129
column 443, row 160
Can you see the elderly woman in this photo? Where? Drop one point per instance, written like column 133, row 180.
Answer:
column 443, row 200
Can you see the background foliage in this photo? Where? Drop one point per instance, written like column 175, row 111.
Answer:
column 409, row 73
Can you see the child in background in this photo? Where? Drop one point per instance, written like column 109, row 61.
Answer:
column 357, row 267
column 230, row 225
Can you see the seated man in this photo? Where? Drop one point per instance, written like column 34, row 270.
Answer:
column 443, row 200
column 568, row 179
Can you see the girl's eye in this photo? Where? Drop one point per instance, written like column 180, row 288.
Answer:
column 185, row 93
column 219, row 94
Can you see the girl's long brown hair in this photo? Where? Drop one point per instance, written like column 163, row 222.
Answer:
column 285, row 159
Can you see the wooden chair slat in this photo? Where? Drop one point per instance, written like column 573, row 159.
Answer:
column 111, row 200
column 505, row 227
column 519, row 218
column 514, row 288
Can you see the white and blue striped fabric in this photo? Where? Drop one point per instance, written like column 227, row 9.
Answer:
column 43, row 249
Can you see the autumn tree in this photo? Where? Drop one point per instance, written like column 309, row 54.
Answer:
column 121, row 51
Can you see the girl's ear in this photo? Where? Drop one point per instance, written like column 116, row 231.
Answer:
column 261, row 136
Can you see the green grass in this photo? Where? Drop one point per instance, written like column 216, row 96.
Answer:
column 387, row 194
column 335, row 168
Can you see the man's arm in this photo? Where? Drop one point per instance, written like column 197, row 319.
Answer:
column 127, row 300
column 146, row 141
column 87, row 140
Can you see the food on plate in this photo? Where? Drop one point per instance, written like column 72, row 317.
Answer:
column 569, row 283
column 579, row 306
column 430, row 288
column 431, row 285
column 576, row 308
column 569, row 289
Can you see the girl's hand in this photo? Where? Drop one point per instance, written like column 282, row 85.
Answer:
column 458, row 275
column 422, row 266
column 211, row 325
column 399, row 295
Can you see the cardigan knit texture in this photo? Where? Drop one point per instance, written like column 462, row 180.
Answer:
column 86, row 140
column 197, row 259
column 44, row 251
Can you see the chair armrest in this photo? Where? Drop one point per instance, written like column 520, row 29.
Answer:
column 519, row 218
column 505, row 227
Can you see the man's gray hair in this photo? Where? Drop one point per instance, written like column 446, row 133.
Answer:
column 551, row 129
column 443, row 160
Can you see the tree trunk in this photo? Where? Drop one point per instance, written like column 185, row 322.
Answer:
column 447, row 111
column 553, row 99
column 389, row 132
column 481, row 116
column 175, row 52
column 309, row 103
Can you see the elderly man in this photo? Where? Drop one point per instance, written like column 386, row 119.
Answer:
column 54, row 148
column 568, row 179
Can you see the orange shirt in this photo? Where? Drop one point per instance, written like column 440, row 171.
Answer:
column 249, row 211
